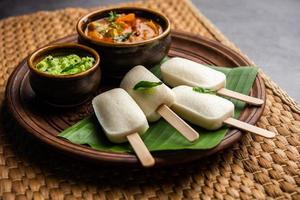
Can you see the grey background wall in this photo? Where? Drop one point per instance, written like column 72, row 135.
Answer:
column 268, row 31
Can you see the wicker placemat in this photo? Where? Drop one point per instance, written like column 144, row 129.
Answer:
column 255, row 168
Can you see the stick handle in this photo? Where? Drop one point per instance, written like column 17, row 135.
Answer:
column 172, row 118
column 141, row 150
column 239, row 96
column 250, row 128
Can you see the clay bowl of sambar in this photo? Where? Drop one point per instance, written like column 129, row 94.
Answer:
column 125, row 37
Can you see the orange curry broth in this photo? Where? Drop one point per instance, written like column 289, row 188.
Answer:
column 123, row 28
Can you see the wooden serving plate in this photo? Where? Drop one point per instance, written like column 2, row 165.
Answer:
column 45, row 122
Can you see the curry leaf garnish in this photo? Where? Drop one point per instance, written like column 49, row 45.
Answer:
column 203, row 90
column 144, row 85
column 70, row 67
column 122, row 38
column 112, row 16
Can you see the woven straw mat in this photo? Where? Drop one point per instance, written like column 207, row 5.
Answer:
column 254, row 168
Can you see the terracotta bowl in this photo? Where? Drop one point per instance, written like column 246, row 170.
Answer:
column 64, row 90
column 118, row 58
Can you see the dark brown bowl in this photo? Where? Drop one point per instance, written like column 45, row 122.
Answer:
column 119, row 58
column 64, row 90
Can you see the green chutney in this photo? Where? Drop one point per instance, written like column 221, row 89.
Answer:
column 65, row 65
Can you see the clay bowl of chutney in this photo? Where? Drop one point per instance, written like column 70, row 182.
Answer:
column 125, row 37
column 64, row 75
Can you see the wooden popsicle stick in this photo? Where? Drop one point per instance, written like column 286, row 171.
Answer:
column 172, row 118
column 141, row 150
column 250, row 128
column 239, row 96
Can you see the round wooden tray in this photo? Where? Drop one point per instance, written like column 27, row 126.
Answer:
column 45, row 122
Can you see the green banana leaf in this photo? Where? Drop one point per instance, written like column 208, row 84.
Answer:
column 162, row 136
